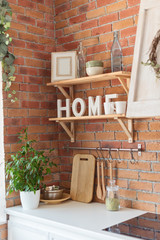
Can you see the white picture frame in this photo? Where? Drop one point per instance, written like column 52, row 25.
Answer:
column 63, row 65
column 144, row 93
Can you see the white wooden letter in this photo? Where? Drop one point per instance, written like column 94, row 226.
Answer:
column 94, row 107
column 60, row 108
column 108, row 97
column 82, row 107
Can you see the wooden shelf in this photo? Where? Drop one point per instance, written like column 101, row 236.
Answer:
column 68, row 123
column 90, row 79
column 65, row 119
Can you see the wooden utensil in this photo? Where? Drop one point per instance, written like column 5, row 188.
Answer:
column 103, row 181
column 98, row 190
column 82, row 181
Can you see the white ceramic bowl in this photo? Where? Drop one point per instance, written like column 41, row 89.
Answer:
column 94, row 70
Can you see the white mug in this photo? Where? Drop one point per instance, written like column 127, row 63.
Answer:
column 121, row 107
column 109, row 108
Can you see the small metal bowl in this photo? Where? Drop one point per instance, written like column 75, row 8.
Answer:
column 52, row 193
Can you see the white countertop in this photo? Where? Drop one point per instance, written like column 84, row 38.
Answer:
column 92, row 217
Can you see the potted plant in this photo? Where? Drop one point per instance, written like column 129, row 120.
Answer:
column 26, row 171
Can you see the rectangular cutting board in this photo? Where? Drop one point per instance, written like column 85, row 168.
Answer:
column 82, row 181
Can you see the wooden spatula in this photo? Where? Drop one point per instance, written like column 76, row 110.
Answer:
column 98, row 190
column 103, row 183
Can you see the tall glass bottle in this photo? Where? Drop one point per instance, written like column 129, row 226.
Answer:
column 116, row 54
column 81, row 62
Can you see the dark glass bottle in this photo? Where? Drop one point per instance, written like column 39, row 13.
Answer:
column 116, row 54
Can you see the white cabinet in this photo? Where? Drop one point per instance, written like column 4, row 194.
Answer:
column 68, row 221
column 20, row 228
column 20, row 231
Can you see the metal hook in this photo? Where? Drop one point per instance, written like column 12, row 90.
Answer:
column 119, row 160
column 98, row 153
column 67, row 147
column 100, row 149
column 102, row 156
column 110, row 160
column 133, row 161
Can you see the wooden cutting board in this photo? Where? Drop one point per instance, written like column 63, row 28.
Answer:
column 82, row 181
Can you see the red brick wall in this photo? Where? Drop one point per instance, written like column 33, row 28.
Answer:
column 32, row 30
column 3, row 232
column 93, row 23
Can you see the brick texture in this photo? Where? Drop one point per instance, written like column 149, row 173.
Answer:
column 3, row 232
column 94, row 26
column 32, row 30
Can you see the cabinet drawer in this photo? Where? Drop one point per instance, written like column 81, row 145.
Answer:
column 20, row 231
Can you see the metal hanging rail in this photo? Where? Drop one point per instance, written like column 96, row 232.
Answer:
column 139, row 149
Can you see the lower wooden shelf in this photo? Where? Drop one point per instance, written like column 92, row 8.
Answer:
column 68, row 119
column 70, row 130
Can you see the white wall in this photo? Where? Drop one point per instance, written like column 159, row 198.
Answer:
column 2, row 163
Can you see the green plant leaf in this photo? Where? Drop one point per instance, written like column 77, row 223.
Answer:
column 8, row 18
column 12, row 69
column 10, row 59
column 8, row 84
column 7, row 25
column 3, row 48
column 3, row 38
column 11, row 78
column 2, row 28
column 1, row 58
column 2, row 55
column 4, row 77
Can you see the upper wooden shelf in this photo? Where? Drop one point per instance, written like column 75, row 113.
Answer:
column 89, row 79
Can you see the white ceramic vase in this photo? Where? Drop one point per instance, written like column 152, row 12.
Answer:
column 30, row 200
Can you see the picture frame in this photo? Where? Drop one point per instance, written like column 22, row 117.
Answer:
column 144, row 92
column 63, row 65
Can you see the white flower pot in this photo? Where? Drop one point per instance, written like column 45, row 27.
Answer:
column 30, row 200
